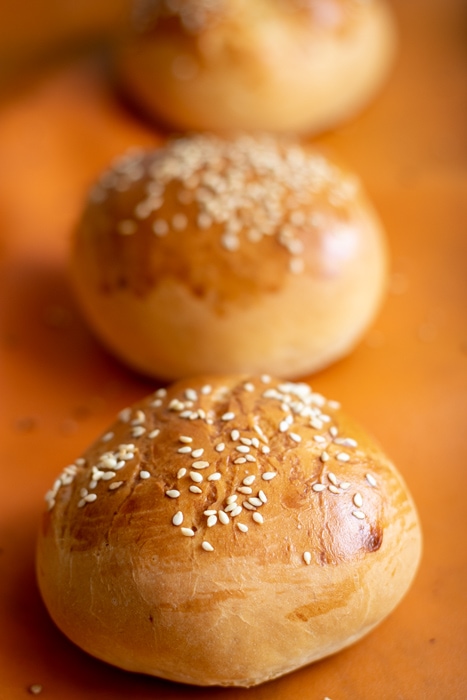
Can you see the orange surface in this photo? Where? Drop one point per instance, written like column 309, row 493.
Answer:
column 407, row 381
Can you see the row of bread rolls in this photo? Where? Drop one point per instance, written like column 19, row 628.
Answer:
column 232, row 527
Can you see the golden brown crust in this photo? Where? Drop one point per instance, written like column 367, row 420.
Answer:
column 242, row 64
column 215, row 242
column 283, row 511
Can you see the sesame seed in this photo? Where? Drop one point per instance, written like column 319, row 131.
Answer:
column 200, row 465
column 161, row 393
column 231, row 499
column 248, row 480
column 242, row 448
column 137, row 431
column 332, row 478
column 191, row 394
column 223, row 517
column 239, row 460
column 154, row 433
column 215, row 476
column 316, row 424
column 172, row 493
column 235, row 434
column 107, row 437
column 106, row 476
column 267, row 476
column 185, row 450
column 358, row 500
column 115, row 485
column 295, row 437
column 265, row 450
column 209, row 512
column 255, row 442
column 346, row 442
column 204, row 220
column 195, row 489
column 237, row 510
column 244, row 489
column 160, row 227
column 177, row 518
column 318, row 487
column 371, row 479
column 188, row 532
column 262, row 496
column 257, row 502
column 333, row 489
column 242, row 527
column 212, row 520
column 324, row 456
column 207, row 546
column 265, row 378
column 185, row 439
column 206, row 389
column 258, row 518
column 319, row 438
column 156, row 403
column 196, row 476
column 344, row 485
column 230, row 242
column 197, row 453
column 220, row 447
column 139, row 418
column 283, row 426
column 343, row 457
column 181, row 473
column 248, row 386
column 228, row 416
column 333, row 431
column 126, row 227
column 35, row 689
column 248, row 506
column 307, row 558
column 358, row 514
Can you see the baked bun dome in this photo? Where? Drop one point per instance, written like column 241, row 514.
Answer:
column 275, row 65
column 226, row 531
column 225, row 256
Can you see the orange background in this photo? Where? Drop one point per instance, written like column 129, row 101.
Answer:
column 406, row 382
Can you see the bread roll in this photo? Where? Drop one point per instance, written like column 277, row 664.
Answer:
column 225, row 256
column 278, row 65
column 226, row 531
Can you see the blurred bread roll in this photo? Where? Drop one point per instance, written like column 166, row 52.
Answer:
column 216, row 255
column 226, row 531
column 278, row 65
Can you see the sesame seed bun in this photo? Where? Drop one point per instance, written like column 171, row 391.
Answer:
column 278, row 65
column 216, row 255
column 226, row 531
